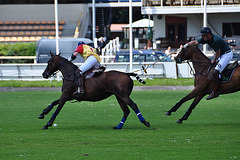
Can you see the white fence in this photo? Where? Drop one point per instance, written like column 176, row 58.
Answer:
column 34, row 71
column 110, row 49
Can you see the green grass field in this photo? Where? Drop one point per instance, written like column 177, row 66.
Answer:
column 84, row 129
column 54, row 83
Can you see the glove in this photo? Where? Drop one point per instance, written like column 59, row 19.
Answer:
column 185, row 46
column 72, row 58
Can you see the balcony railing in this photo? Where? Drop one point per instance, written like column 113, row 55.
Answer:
column 163, row 3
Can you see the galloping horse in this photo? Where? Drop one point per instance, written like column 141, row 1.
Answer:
column 97, row 88
column 202, row 85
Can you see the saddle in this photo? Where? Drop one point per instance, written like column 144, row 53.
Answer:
column 226, row 74
column 94, row 72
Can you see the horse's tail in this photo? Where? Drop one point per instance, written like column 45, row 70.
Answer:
column 137, row 77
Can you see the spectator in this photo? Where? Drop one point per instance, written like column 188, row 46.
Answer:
column 168, row 51
column 101, row 45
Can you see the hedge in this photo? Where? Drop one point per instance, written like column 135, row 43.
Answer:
column 18, row 49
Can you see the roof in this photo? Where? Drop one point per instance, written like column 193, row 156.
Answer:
column 142, row 23
column 117, row 27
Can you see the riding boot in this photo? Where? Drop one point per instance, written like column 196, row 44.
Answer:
column 215, row 92
column 81, row 82
column 81, row 89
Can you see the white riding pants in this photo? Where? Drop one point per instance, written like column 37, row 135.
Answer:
column 223, row 61
column 91, row 62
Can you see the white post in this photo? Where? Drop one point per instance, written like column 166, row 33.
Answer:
column 130, row 35
column 93, row 22
column 56, row 26
column 56, row 30
column 205, row 23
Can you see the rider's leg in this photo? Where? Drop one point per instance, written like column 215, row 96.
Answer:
column 216, row 84
column 91, row 62
column 223, row 62
column 80, row 77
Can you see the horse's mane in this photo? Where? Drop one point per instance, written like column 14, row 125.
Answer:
column 196, row 46
column 64, row 59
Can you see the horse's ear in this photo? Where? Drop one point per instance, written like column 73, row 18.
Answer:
column 190, row 39
column 51, row 54
column 59, row 53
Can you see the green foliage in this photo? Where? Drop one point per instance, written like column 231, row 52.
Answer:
column 149, row 34
column 84, row 129
column 18, row 49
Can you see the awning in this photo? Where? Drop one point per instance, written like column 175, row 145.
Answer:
column 142, row 23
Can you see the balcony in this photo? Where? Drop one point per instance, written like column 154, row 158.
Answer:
column 189, row 6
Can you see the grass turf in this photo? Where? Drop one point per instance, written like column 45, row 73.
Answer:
column 54, row 83
column 84, row 129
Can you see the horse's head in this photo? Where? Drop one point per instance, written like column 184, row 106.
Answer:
column 184, row 54
column 53, row 65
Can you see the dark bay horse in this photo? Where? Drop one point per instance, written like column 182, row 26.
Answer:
column 97, row 88
column 202, row 85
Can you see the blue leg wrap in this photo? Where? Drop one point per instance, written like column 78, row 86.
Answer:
column 53, row 115
column 138, row 113
column 121, row 123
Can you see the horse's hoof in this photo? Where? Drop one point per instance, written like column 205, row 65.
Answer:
column 168, row 113
column 116, row 128
column 41, row 116
column 146, row 123
column 179, row 121
column 45, row 127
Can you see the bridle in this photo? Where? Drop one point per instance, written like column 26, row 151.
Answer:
column 57, row 65
column 192, row 72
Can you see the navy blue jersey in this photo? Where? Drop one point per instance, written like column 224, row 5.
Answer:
column 216, row 43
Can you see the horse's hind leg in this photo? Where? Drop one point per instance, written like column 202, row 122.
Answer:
column 133, row 105
column 48, row 109
column 126, row 112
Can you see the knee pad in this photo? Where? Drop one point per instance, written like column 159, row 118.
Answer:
column 78, row 74
column 215, row 75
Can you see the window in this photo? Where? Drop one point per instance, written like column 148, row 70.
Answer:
column 231, row 29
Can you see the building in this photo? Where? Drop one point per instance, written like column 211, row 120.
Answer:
column 177, row 20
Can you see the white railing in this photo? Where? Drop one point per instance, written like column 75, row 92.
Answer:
column 110, row 50
column 163, row 3
column 34, row 71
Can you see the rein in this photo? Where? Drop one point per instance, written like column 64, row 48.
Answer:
column 199, row 73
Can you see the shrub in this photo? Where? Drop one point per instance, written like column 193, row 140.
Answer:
column 18, row 49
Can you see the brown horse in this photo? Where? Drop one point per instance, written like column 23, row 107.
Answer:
column 97, row 88
column 202, row 85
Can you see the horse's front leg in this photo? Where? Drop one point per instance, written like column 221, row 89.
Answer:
column 62, row 101
column 191, row 95
column 48, row 109
column 189, row 111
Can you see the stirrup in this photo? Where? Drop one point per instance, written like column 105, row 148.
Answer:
column 212, row 95
column 79, row 92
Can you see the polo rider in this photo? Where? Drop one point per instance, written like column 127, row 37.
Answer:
column 223, row 55
column 92, row 60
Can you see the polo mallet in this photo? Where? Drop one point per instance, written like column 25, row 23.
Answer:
column 149, row 65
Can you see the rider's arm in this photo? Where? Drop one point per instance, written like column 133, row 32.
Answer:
column 194, row 42
column 73, row 56
column 78, row 50
column 217, row 55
